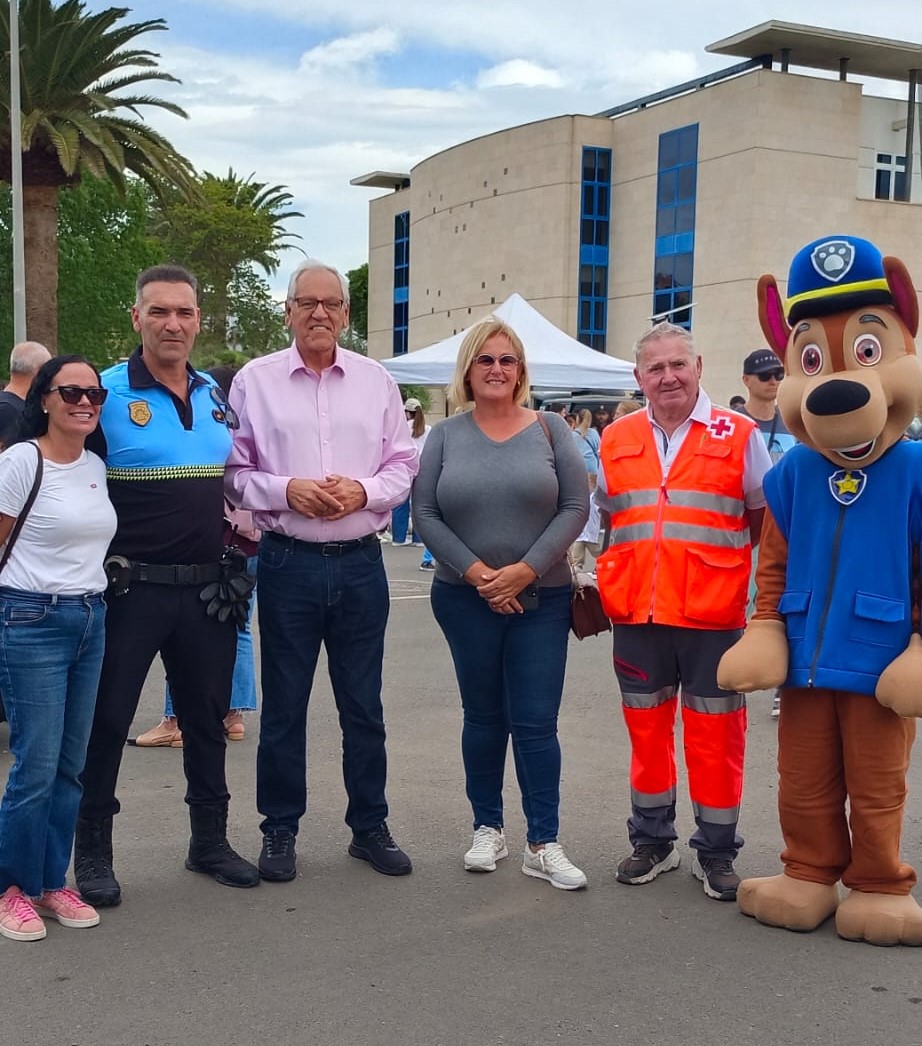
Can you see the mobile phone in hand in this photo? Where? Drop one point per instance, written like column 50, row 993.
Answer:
column 528, row 597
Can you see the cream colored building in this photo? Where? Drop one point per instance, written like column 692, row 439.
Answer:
column 688, row 196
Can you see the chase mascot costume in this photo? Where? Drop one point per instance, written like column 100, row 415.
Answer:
column 834, row 623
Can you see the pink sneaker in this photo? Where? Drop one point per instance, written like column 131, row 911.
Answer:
column 18, row 919
column 68, row 907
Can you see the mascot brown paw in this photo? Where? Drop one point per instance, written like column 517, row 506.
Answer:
column 880, row 918
column 899, row 685
column 757, row 661
column 779, row 900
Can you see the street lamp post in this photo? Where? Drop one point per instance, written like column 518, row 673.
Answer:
column 19, row 263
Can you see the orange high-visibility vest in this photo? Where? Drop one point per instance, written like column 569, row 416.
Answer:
column 680, row 551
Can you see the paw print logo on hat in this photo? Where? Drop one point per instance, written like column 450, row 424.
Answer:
column 833, row 259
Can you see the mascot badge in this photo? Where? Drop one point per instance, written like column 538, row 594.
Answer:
column 834, row 624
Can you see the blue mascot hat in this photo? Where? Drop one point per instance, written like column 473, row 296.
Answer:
column 834, row 274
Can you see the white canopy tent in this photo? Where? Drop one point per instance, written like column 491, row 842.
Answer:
column 555, row 360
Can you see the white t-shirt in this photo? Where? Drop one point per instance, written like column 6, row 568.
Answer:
column 63, row 542
column 420, row 441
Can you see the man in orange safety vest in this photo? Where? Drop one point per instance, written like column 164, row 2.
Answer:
column 682, row 482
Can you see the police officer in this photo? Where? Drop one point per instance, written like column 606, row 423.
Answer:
column 164, row 437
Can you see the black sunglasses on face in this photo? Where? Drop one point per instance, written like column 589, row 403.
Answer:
column 73, row 394
column 776, row 374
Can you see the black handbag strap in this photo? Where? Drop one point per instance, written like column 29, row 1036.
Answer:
column 26, row 508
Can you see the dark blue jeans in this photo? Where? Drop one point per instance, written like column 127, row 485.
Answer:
column 510, row 671
column 305, row 599
column 50, row 655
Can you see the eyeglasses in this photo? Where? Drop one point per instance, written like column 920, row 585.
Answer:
column 767, row 376
column 73, row 394
column 506, row 362
column 330, row 305
column 230, row 418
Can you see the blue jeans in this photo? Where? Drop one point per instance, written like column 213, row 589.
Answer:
column 305, row 599
column 510, row 671
column 400, row 522
column 243, row 690
column 51, row 650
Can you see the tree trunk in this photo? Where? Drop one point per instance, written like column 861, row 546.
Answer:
column 40, row 230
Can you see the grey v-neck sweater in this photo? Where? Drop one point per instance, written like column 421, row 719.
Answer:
column 518, row 500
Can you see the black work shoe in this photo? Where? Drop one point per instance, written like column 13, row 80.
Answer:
column 211, row 854
column 93, row 864
column 646, row 863
column 717, row 877
column 277, row 861
column 377, row 846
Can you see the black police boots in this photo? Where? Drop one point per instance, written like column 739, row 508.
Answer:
column 211, row 853
column 93, row 863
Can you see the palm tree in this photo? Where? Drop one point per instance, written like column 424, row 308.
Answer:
column 233, row 224
column 75, row 67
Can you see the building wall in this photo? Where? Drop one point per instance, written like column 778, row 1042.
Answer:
column 782, row 159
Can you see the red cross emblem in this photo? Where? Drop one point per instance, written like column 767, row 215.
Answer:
column 721, row 427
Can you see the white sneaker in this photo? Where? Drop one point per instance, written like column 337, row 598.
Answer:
column 552, row 864
column 489, row 846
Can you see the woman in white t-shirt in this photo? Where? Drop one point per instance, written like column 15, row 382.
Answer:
column 52, row 616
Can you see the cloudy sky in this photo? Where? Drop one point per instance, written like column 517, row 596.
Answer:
column 309, row 95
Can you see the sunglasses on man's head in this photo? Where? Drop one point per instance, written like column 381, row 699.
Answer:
column 73, row 394
column 768, row 375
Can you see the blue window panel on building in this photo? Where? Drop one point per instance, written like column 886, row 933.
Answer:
column 595, row 198
column 674, row 246
column 401, row 281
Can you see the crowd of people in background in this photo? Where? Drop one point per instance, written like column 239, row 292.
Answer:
column 142, row 509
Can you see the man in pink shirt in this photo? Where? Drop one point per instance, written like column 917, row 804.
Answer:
column 321, row 456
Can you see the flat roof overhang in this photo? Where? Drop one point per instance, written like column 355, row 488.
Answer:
column 382, row 180
column 815, row 48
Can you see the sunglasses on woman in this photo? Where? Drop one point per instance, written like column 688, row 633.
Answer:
column 506, row 362
column 73, row 394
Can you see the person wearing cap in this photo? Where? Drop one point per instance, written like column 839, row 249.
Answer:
column 400, row 516
column 601, row 418
column 682, row 483
column 763, row 372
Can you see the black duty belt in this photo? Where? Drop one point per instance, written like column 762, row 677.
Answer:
column 322, row 548
column 176, row 573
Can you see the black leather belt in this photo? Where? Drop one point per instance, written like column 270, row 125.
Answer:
column 322, row 548
column 176, row 573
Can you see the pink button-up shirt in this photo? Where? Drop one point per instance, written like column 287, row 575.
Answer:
column 298, row 424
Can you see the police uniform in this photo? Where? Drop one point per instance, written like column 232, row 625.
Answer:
column 165, row 465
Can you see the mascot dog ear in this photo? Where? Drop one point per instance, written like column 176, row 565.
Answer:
column 774, row 323
column 771, row 315
column 904, row 296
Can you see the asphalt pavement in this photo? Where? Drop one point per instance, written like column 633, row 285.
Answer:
column 343, row 956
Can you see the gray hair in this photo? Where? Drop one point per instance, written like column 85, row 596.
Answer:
column 664, row 330
column 311, row 264
column 27, row 357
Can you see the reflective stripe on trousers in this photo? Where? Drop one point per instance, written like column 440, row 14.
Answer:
column 715, row 744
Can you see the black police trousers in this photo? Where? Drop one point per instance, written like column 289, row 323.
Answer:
column 198, row 653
